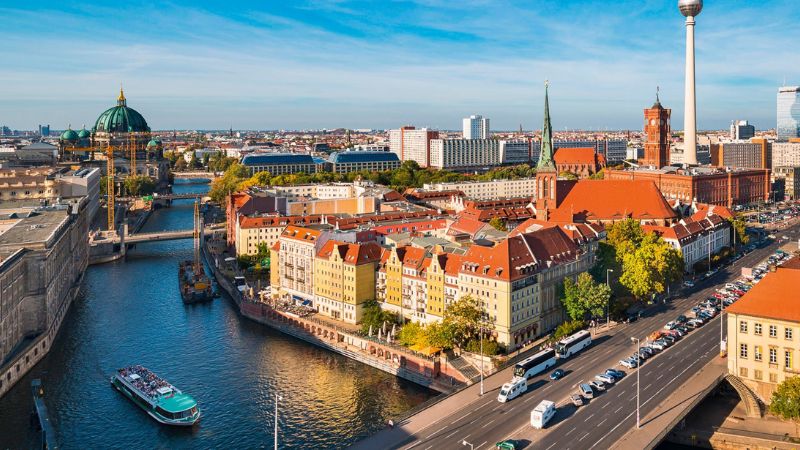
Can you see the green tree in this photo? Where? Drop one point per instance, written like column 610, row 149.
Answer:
column 739, row 227
column 568, row 175
column 439, row 334
column 650, row 267
column 624, row 236
column 568, row 328
column 585, row 297
column 410, row 334
column 464, row 316
column 193, row 162
column 786, row 400
column 227, row 183
column 374, row 316
column 139, row 185
column 599, row 175
column 498, row 224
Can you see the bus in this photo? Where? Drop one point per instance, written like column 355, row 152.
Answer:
column 535, row 364
column 573, row 344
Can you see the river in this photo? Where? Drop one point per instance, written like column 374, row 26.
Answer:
column 131, row 312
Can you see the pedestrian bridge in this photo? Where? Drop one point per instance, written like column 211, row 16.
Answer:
column 154, row 236
column 167, row 197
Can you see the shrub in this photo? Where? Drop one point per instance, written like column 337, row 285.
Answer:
column 490, row 348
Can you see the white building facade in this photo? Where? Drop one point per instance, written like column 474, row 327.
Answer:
column 476, row 127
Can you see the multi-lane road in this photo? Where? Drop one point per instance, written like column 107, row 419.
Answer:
column 610, row 415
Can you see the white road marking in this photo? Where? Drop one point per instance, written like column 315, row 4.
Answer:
column 590, row 416
column 584, row 437
column 481, row 444
column 659, row 377
column 448, row 436
column 618, row 410
column 488, row 423
column 440, row 429
column 465, row 415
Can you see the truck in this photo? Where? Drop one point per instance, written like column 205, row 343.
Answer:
column 542, row 414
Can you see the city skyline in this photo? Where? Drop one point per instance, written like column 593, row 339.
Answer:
column 361, row 65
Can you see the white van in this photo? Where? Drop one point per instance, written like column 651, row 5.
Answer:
column 512, row 389
column 542, row 414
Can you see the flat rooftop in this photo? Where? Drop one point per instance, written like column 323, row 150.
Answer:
column 28, row 228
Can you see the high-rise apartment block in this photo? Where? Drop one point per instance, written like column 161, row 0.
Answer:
column 785, row 154
column 756, row 154
column 476, row 127
column 657, row 129
column 412, row 144
column 742, row 130
column 788, row 113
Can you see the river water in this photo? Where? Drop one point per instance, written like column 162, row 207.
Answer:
column 131, row 313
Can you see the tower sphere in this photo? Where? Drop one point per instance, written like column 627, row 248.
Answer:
column 690, row 8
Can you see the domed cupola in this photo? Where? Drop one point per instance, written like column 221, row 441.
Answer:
column 84, row 133
column 121, row 119
column 69, row 136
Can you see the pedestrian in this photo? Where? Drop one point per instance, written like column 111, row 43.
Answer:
column 391, row 424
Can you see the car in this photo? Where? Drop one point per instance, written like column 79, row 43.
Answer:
column 688, row 283
column 630, row 363
column 728, row 301
column 677, row 333
column 618, row 374
column 605, row 378
column 670, row 325
column 557, row 374
column 642, row 354
column 696, row 309
column 669, row 338
column 576, row 400
column 683, row 329
column 695, row 323
column 681, row 319
column 647, row 350
column 631, row 318
column 659, row 344
column 585, row 390
column 597, row 385
column 505, row 445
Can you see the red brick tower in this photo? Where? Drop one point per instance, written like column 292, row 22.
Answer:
column 656, row 126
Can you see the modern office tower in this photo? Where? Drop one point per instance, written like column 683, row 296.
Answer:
column 657, row 128
column 412, row 144
column 476, row 127
column 755, row 154
column 788, row 113
column 741, row 130
column 690, row 9
column 44, row 130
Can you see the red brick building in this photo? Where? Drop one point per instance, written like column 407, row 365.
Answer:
column 704, row 185
column 583, row 162
column 657, row 128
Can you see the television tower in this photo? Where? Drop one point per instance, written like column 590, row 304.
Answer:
column 690, row 9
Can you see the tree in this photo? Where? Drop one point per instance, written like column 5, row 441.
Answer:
column 568, row 175
column 498, row 224
column 624, row 236
column 739, row 227
column 374, row 316
column 137, row 185
column 650, row 267
column 599, row 175
column 568, row 328
column 585, row 297
column 410, row 334
column 464, row 316
column 227, row 183
column 786, row 400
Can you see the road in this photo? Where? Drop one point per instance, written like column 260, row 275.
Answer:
column 606, row 418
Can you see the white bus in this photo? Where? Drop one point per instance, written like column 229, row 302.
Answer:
column 542, row 414
column 512, row 389
column 573, row 344
column 535, row 364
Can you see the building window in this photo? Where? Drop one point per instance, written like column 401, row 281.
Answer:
column 788, row 333
column 773, row 377
column 757, row 329
column 787, row 359
column 743, row 351
column 742, row 327
column 743, row 371
column 773, row 356
column 757, row 353
column 757, row 374
column 773, row 331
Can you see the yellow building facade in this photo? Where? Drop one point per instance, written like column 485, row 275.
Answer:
column 344, row 279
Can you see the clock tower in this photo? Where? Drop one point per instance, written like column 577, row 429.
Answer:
column 657, row 129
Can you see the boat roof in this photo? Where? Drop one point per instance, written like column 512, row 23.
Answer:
column 134, row 376
column 164, row 390
column 177, row 403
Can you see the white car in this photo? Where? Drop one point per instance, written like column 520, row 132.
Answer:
column 630, row 363
column 659, row 345
column 605, row 378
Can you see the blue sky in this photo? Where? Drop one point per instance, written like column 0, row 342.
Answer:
column 299, row 64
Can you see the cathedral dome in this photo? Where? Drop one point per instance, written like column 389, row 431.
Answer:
column 69, row 135
column 121, row 119
column 84, row 133
column 154, row 143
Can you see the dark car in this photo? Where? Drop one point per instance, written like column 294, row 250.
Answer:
column 632, row 318
column 618, row 374
column 557, row 374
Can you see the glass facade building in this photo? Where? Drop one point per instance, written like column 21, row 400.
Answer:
column 788, row 112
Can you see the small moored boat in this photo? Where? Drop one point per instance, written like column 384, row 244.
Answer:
column 161, row 400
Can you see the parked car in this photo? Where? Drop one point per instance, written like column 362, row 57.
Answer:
column 647, row 350
column 618, row 374
column 557, row 374
column 681, row 319
column 599, row 386
column 630, row 363
column 605, row 378
column 585, row 390
column 670, row 325
column 695, row 323
column 659, row 344
column 688, row 283
column 576, row 400
column 669, row 338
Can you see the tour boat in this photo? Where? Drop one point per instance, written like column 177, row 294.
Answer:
column 161, row 400
column 194, row 284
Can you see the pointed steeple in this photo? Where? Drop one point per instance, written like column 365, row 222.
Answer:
column 546, row 155
column 121, row 98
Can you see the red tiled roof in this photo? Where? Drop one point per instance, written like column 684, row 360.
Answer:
column 301, row 234
column 467, row 225
column 352, row 253
column 775, row 297
column 594, row 200
column 277, row 221
column 578, row 155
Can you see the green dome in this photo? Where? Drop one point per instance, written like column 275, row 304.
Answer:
column 121, row 119
column 84, row 133
column 69, row 135
column 153, row 143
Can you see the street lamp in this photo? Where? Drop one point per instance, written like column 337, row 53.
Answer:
column 638, row 369
column 277, row 399
column 465, row 443
column 608, row 303
column 480, row 337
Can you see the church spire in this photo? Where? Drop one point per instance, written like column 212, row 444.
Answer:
column 546, row 153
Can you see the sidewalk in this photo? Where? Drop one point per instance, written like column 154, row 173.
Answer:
column 656, row 424
column 427, row 421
